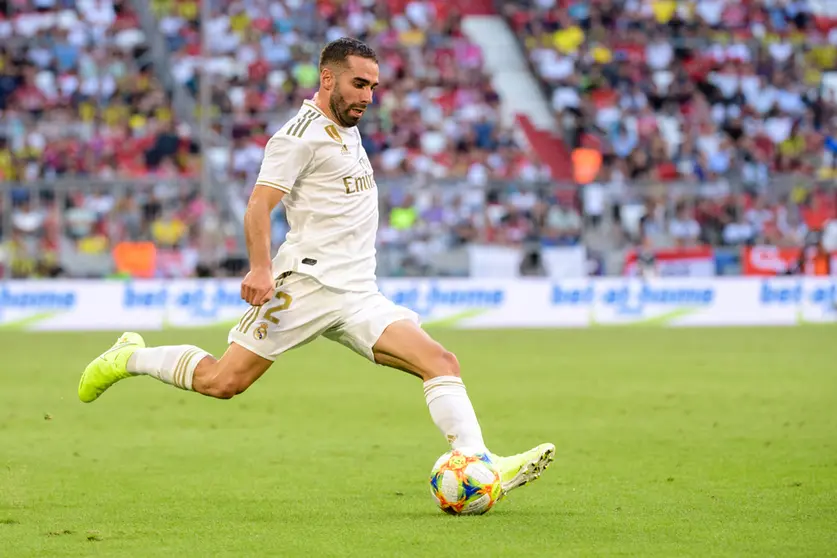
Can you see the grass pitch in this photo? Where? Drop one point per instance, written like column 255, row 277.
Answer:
column 689, row 442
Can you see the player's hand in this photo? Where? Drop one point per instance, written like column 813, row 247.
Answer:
column 257, row 287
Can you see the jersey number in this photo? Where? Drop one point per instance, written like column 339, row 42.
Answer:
column 252, row 314
column 284, row 302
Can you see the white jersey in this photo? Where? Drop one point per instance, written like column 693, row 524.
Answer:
column 331, row 200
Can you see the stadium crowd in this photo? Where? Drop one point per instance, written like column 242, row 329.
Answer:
column 691, row 89
column 78, row 96
column 436, row 112
column 703, row 92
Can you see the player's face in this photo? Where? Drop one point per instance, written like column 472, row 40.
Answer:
column 353, row 90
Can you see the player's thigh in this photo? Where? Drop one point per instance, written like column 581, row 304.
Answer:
column 406, row 346
column 300, row 310
column 390, row 335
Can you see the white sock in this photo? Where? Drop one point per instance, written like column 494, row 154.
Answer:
column 172, row 364
column 453, row 413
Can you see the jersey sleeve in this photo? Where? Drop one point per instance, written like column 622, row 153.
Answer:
column 285, row 160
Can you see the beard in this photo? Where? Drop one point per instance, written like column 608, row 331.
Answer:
column 341, row 109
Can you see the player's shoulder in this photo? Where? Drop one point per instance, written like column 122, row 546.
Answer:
column 301, row 133
column 308, row 126
column 311, row 132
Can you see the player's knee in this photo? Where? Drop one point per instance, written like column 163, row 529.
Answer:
column 445, row 363
column 227, row 387
column 451, row 366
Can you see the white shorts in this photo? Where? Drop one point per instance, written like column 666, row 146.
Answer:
column 302, row 309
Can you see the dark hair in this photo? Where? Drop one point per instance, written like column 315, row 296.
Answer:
column 338, row 52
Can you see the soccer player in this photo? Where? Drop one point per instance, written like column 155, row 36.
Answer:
column 322, row 281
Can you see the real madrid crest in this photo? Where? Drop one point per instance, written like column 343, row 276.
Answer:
column 260, row 332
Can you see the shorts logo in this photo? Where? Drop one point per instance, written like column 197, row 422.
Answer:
column 260, row 332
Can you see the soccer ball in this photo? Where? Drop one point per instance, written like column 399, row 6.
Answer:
column 465, row 483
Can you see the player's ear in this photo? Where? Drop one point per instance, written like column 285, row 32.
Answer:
column 327, row 79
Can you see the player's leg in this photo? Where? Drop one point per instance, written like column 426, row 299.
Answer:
column 236, row 370
column 391, row 336
column 292, row 318
column 193, row 369
column 405, row 346
column 425, row 358
column 183, row 366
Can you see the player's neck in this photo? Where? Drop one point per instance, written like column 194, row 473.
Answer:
column 320, row 103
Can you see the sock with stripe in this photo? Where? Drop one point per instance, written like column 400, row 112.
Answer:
column 451, row 410
column 172, row 364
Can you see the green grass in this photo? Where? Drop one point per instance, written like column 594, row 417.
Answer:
column 670, row 443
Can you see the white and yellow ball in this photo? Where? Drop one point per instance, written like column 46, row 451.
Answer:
column 465, row 483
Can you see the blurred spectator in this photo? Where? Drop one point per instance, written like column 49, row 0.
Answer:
column 683, row 227
column 563, row 226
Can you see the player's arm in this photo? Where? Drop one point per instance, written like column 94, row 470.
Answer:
column 285, row 159
column 257, row 287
